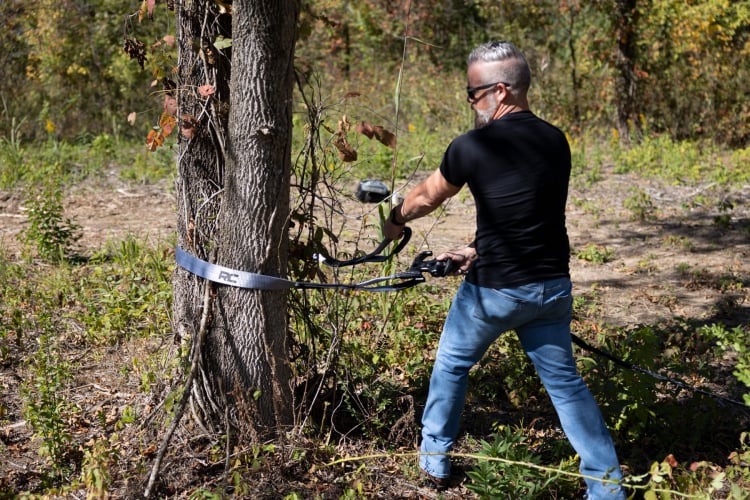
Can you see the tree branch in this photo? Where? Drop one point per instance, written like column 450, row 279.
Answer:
column 194, row 367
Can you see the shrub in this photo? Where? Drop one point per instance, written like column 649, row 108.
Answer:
column 49, row 231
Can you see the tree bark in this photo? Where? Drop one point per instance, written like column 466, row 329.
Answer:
column 233, row 202
column 626, row 19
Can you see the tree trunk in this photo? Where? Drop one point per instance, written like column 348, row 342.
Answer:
column 626, row 19
column 233, row 202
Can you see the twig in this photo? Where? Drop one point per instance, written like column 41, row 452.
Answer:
column 185, row 392
column 7, row 428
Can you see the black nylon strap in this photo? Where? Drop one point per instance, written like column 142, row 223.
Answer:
column 373, row 256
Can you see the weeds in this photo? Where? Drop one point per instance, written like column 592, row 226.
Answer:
column 11, row 153
column 128, row 294
column 98, row 462
column 640, row 204
column 595, row 253
column 682, row 242
column 497, row 478
column 724, row 219
column 49, row 231
column 736, row 343
column 365, row 360
column 44, row 316
column 46, row 409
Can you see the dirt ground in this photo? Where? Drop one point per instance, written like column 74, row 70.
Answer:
column 670, row 265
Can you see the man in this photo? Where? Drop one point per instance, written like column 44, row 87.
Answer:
column 517, row 167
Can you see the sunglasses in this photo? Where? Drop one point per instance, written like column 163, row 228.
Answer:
column 471, row 91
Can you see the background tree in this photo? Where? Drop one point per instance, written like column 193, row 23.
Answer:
column 625, row 22
column 233, row 192
column 694, row 73
column 12, row 59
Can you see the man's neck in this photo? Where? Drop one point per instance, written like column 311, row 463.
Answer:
column 506, row 109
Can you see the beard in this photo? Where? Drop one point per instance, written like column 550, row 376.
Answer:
column 482, row 118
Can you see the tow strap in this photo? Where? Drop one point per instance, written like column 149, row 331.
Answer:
column 399, row 281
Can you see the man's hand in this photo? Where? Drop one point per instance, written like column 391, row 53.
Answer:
column 420, row 201
column 392, row 232
column 463, row 258
column 393, row 229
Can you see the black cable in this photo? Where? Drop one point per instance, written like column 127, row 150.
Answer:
column 658, row 376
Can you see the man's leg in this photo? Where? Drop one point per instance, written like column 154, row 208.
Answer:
column 547, row 343
column 476, row 318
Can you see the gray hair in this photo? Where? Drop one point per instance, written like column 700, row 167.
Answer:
column 516, row 72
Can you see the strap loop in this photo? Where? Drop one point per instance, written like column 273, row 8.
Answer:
column 373, row 256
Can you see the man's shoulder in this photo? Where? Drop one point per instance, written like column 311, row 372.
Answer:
column 466, row 140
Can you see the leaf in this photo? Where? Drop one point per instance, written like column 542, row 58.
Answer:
column 154, row 140
column 170, row 105
column 188, row 126
column 222, row 42
column 135, row 49
column 365, row 129
column 346, row 152
column 167, row 123
column 225, row 7
column 718, row 482
column 381, row 134
column 131, row 117
column 344, row 125
column 170, row 40
column 150, row 7
column 206, row 90
column 385, row 136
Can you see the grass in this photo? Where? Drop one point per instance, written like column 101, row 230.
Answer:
column 67, row 164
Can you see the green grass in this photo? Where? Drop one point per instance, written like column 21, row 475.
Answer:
column 682, row 162
column 24, row 164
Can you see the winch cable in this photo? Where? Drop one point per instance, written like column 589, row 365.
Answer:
column 658, row 376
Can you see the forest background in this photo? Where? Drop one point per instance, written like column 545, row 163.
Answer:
column 653, row 89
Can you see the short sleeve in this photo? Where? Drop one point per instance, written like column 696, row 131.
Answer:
column 452, row 167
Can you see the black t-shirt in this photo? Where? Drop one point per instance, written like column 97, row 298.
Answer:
column 518, row 169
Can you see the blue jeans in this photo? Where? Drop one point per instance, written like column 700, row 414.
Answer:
column 540, row 313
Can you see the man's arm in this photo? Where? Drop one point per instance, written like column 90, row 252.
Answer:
column 420, row 201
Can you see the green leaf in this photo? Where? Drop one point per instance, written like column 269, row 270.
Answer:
column 222, row 42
